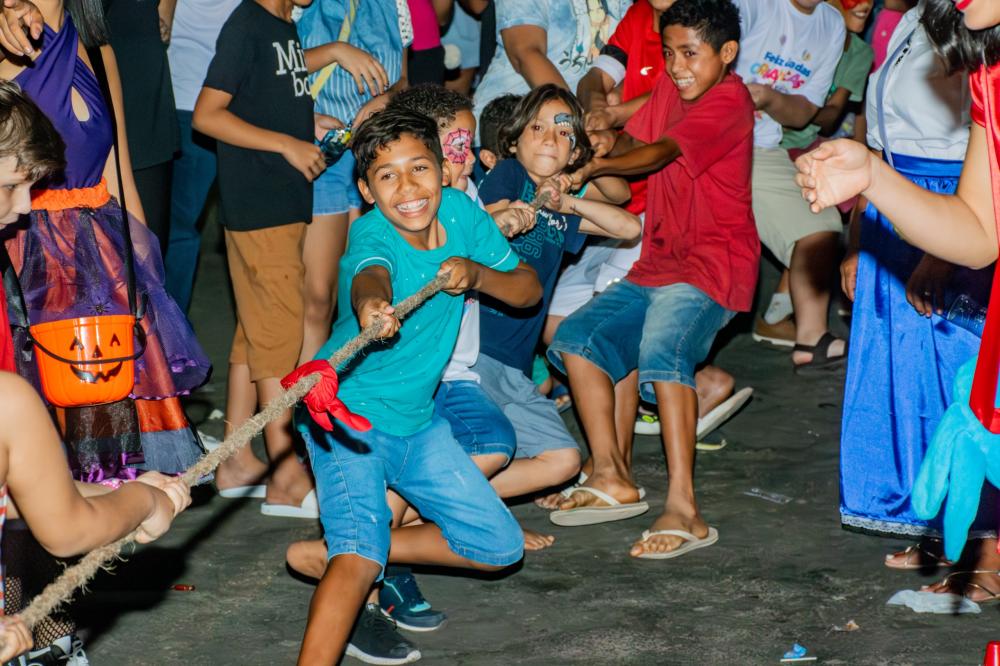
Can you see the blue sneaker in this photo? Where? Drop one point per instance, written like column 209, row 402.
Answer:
column 402, row 600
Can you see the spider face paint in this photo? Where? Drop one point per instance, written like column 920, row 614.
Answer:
column 457, row 144
column 566, row 120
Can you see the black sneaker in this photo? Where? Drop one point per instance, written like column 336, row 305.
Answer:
column 56, row 654
column 375, row 640
column 402, row 600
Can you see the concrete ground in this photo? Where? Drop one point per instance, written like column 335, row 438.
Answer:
column 779, row 573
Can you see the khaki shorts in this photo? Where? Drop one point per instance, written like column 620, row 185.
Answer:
column 267, row 273
column 783, row 216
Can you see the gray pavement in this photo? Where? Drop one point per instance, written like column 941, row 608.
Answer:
column 779, row 573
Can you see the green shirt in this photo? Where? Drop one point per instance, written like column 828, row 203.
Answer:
column 852, row 73
column 392, row 382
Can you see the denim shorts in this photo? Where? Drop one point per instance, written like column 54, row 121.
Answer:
column 336, row 189
column 663, row 331
column 537, row 423
column 429, row 469
column 478, row 425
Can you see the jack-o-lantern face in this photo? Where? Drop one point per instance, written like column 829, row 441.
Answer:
column 93, row 377
column 86, row 361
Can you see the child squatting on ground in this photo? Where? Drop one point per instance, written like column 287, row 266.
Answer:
column 418, row 229
column 698, row 267
column 68, row 518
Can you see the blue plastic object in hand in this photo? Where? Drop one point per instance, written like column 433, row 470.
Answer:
column 962, row 454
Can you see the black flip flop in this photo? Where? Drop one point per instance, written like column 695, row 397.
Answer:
column 821, row 360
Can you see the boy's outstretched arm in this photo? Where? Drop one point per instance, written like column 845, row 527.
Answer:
column 793, row 111
column 213, row 118
column 630, row 157
column 371, row 297
column 518, row 288
column 603, row 219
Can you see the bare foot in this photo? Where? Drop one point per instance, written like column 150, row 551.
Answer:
column 536, row 540
column 240, row 471
column 671, row 520
column 621, row 489
column 713, row 385
column 307, row 557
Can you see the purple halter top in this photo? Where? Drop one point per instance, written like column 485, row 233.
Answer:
column 49, row 81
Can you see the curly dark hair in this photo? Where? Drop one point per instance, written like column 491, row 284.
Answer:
column 959, row 47
column 434, row 101
column 27, row 135
column 387, row 126
column 494, row 115
column 716, row 21
column 526, row 111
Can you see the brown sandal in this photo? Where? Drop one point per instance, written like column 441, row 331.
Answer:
column 994, row 595
column 917, row 557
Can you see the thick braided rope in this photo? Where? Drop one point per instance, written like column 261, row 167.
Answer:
column 73, row 578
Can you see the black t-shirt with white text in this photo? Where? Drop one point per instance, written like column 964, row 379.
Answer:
column 259, row 61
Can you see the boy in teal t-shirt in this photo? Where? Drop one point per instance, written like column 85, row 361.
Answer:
column 418, row 230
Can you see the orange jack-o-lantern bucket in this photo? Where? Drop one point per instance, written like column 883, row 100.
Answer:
column 88, row 360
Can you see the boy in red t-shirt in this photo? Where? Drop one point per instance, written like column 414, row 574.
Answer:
column 698, row 267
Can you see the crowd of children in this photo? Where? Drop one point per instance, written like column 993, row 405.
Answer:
column 598, row 209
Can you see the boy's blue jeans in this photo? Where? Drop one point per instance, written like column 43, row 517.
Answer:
column 428, row 469
column 663, row 331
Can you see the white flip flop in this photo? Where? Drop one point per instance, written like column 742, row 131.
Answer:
column 593, row 515
column 722, row 412
column 582, row 479
column 244, row 492
column 308, row 509
column 691, row 542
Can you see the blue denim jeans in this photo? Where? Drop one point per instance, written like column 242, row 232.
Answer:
column 477, row 423
column 429, row 469
column 663, row 331
column 194, row 173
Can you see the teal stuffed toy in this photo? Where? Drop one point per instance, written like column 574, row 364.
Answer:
column 961, row 455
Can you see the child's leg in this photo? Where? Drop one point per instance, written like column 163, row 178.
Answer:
column 681, row 324
column 471, row 527
column 326, row 238
column 267, row 273
column 598, row 346
column 243, row 468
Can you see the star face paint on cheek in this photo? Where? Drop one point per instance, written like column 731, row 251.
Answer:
column 457, row 145
column 566, row 120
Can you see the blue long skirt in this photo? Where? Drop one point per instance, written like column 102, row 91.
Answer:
column 900, row 370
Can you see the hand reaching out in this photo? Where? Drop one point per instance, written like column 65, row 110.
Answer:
column 171, row 496
column 602, row 141
column 323, row 124
column 849, row 274
column 377, row 309
column 20, row 23
column 834, row 172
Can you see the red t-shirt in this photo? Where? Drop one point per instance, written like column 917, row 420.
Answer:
column 637, row 46
column 699, row 222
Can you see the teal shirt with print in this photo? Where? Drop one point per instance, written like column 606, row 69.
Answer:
column 392, row 382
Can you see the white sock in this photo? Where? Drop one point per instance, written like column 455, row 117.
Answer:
column 780, row 308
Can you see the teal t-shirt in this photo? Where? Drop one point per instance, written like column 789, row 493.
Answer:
column 392, row 382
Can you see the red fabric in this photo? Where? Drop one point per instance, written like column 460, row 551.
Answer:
column 6, row 341
column 426, row 31
column 699, row 221
column 636, row 36
column 984, row 85
column 322, row 400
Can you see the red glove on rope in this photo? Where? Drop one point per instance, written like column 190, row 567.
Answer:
column 322, row 400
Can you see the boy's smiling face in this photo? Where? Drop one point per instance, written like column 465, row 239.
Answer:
column 15, row 192
column 546, row 147
column 456, row 144
column 694, row 64
column 404, row 182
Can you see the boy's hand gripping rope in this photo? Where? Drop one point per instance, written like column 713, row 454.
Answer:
column 62, row 589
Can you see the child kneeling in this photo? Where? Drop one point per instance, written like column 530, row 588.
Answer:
column 419, row 229
column 697, row 268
